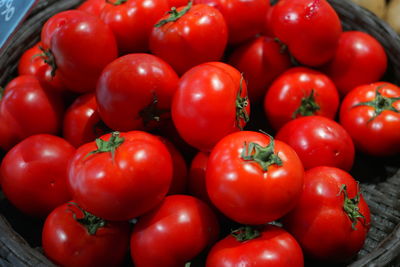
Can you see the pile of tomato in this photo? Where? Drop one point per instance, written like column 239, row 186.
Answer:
column 214, row 130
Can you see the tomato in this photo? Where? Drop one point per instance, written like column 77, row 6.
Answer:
column 319, row 141
column 244, row 19
column 310, row 28
column 74, row 237
column 82, row 123
column 300, row 92
column 120, row 176
column 252, row 178
column 331, row 206
column 132, row 22
column 82, row 45
column 189, row 36
column 177, row 3
column 197, row 177
column 371, row 115
column 28, row 108
column 359, row 59
column 173, row 233
column 93, row 7
column 135, row 91
column 260, row 60
column 210, row 102
column 271, row 246
column 34, row 174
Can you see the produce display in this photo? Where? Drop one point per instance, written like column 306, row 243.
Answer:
column 205, row 133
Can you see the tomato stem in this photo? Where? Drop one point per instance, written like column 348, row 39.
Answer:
column 308, row 106
column 174, row 15
column 107, row 146
column 151, row 112
column 117, row 2
column 91, row 222
column 350, row 206
column 49, row 59
column 241, row 104
column 245, row 233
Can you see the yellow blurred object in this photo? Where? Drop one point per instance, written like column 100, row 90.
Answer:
column 393, row 15
column 376, row 6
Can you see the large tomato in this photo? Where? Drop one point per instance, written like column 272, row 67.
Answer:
column 210, row 102
column 34, row 174
column 310, row 28
column 189, row 36
column 135, row 91
column 252, row 178
column 271, row 246
column 371, row 115
column 173, row 233
column 331, row 219
column 120, row 176
column 300, row 92
column 73, row 237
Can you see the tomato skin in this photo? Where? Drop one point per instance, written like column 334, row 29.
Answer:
column 93, row 7
column 242, row 190
column 379, row 136
column 177, row 3
column 319, row 141
column 359, row 59
column 68, row 243
column 261, row 61
column 320, row 213
column 198, row 36
column 244, row 19
column 197, row 177
column 318, row 24
column 163, row 238
column 275, row 248
column 206, row 99
column 132, row 183
column 285, row 95
column 34, row 174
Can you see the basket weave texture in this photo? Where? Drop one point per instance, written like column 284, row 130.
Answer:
column 379, row 178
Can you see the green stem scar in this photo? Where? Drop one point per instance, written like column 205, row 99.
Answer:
column 107, row 146
column 308, row 106
column 174, row 15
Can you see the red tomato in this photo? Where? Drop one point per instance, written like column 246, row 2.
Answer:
column 173, row 233
column 177, row 3
column 252, row 178
column 132, row 22
column 359, row 59
column 272, row 247
column 135, row 91
column 260, row 60
column 34, row 174
column 244, row 19
column 310, row 28
column 300, row 92
column 319, row 141
column 371, row 115
column 82, row 123
column 332, row 219
column 189, row 36
column 120, row 176
column 197, row 177
column 210, row 102
column 74, row 237
column 93, row 7
column 28, row 108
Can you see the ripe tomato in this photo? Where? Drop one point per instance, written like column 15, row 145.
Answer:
column 135, row 91
column 271, row 246
column 252, row 178
column 132, row 22
column 34, row 174
column 210, row 102
column 173, row 233
column 332, row 207
column 177, row 3
column 359, row 59
column 73, row 237
column 319, row 141
column 300, row 92
column 189, row 36
column 260, row 60
column 310, row 28
column 120, row 176
column 197, row 177
column 371, row 115
column 244, row 19
column 93, row 7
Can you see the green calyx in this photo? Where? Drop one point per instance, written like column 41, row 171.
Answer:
column 89, row 221
column 263, row 156
column 350, row 206
column 241, row 104
column 308, row 106
column 107, row 146
column 49, row 59
column 245, row 233
column 117, row 2
column 151, row 112
column 174, row 15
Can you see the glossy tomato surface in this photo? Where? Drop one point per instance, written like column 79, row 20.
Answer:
column 93, row 7
column 197, row 177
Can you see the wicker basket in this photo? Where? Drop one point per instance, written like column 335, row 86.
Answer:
column 380, row 178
